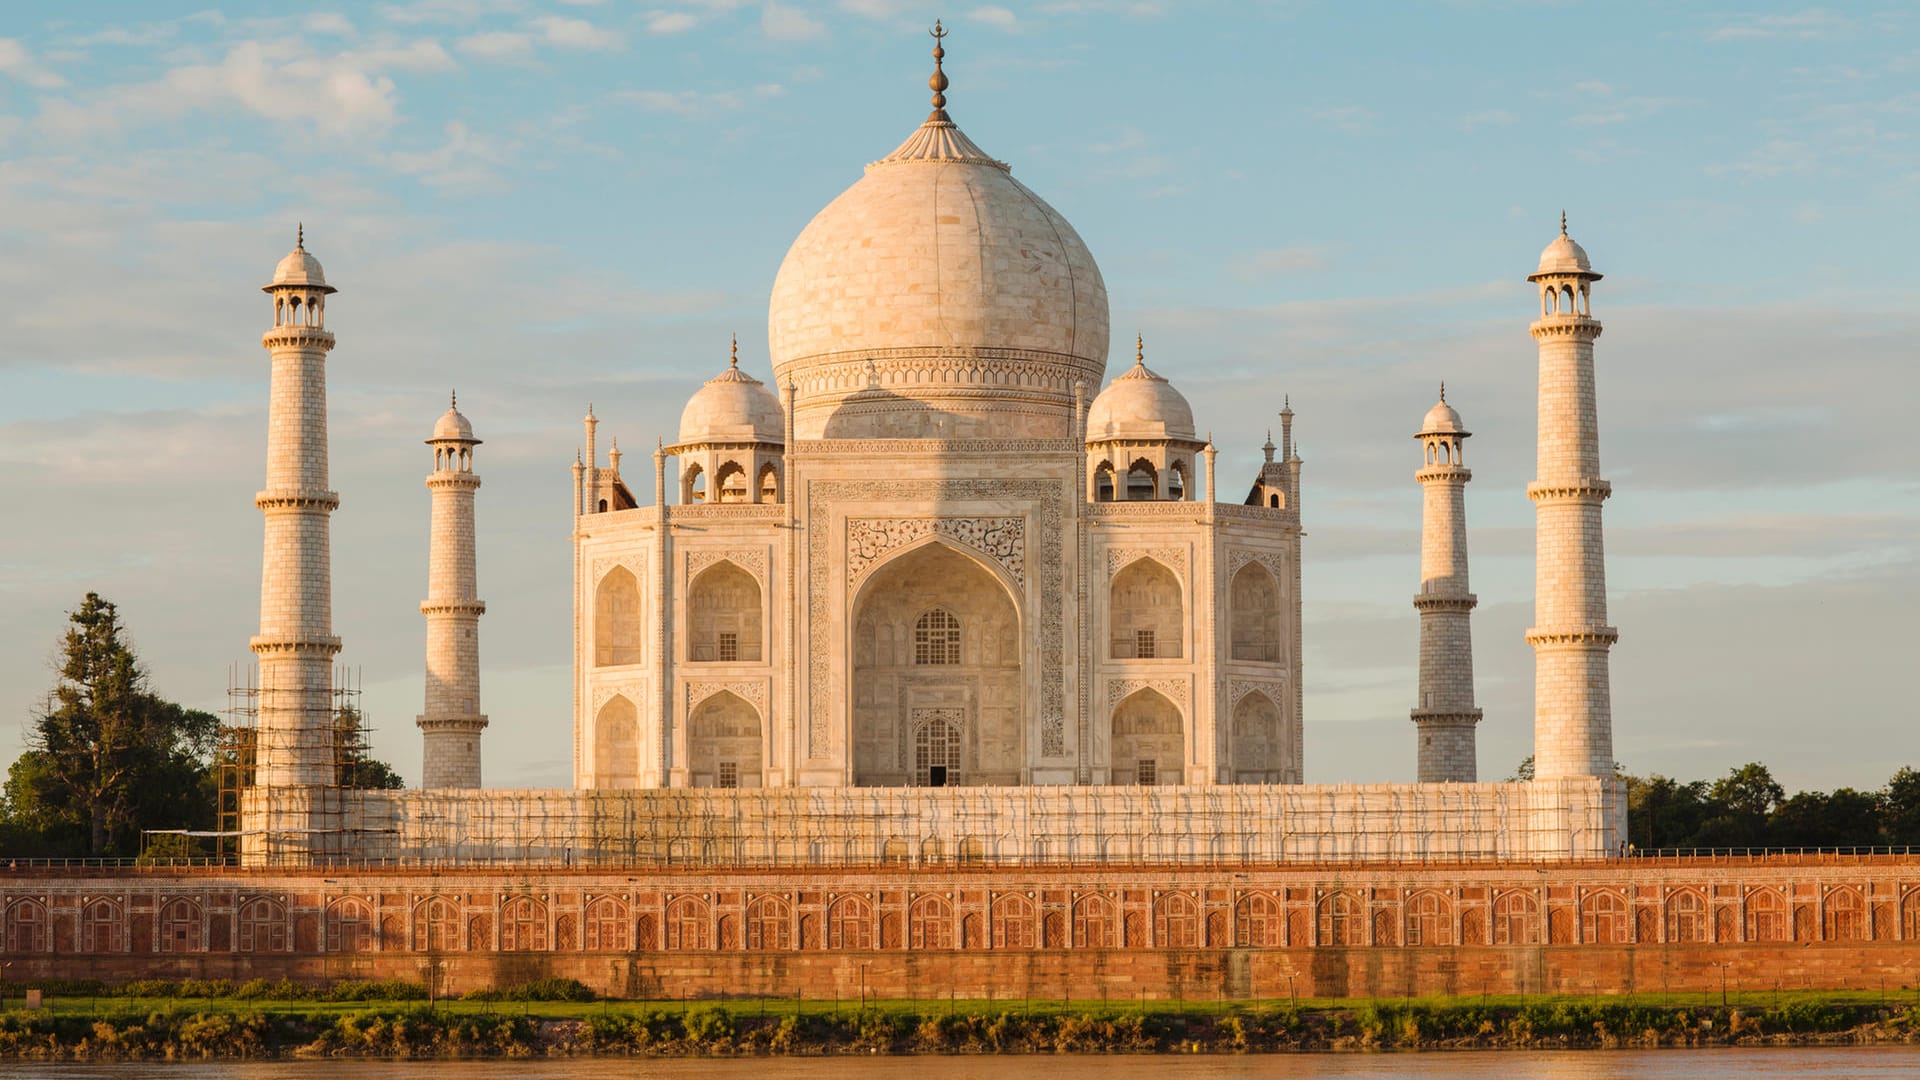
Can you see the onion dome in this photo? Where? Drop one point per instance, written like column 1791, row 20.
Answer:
column 973, row 296
column 452, row 425
column 299, row 268
column 1564, row 257
column 1140, row 404
column 1442, row 419
column 733, row 407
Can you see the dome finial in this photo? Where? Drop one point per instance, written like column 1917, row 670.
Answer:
column 453, row 399
column 938, row 82
column 1139, row 349
column 734, row 359
column 1443, row 390
column 300, row 236
column 1563, row 223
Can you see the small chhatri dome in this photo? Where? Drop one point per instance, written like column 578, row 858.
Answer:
column 1140, row 404
column 1442, row 419
column 733, row 407
column 452, row 426
column 1564, row 256
column 299, row 268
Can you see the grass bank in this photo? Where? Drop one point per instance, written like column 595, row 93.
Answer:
column 173, row 1021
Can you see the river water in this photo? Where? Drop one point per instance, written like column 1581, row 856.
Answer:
column 1718, row 1064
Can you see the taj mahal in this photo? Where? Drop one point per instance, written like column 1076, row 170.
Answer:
column 949, row 582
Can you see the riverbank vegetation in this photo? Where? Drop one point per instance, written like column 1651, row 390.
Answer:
column 159, row 1020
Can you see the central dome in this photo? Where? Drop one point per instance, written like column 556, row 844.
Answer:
column 938, row 297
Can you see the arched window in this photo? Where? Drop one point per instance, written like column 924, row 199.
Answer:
column 723, row 604
column 688, row 928
column 936, row 638
column 1273, row 501
column 1343, row 921
column 1013, row 922
column 523, row 925
column 436, row 925
column 1143, row 481
column 1144, row 611
column 724, row 744
column 606, row 925
column 1177, row 482
column 1516, row 919
column 1148, row 745
column 1257, row 922
column 693, row 484
column 930, row 923
column 1254, row 597
column 1686, row 917
column 730, row 480
column 769, row 924
column 1176, row 921
column 850, row 924
column 1846, row 915
column 616, row 619
column 180, row 926
column 349, row 927
column 27, row 927
column 263, row 926
column 769, row 483
column 616, row 744
column 1094, row 926
column 1103, row 482
column 936, row 749
column 1258, row 748
column 1605, row 916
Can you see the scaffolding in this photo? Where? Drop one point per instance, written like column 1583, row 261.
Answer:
column 339, row 740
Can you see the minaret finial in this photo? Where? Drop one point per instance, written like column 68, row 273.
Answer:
column 1139, row 349
column 1563, row 223
column 1443, row 391
column 453, row 399
column 300, row 236
column 734, row 361
column 938, row 81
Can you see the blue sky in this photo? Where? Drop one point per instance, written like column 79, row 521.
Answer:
column 547, row 203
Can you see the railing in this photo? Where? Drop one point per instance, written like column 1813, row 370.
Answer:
column 610, row 862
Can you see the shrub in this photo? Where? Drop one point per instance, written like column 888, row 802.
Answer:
column 710, row 1026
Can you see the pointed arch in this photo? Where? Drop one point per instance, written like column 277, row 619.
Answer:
column 1148, row 742
column 100, row 933
column 1343, row 920
column 724, row 610
column 436, row 925
column 1254, row 610
column 1103, row 482
column 1686, row 916
column 28, row 927
column 349, row 926
column 1429, row 918
column 1846, row 915
column 769, row 485
column 1014, row 925
column 1516, row 918
column 180, row 926
column 263, row 925
column 1603, row 917
column 1144, row 611
column 607, row 923
column 930, row 923
column 616, row 744
column 689, row 925
column 1143, row 481
column 1258, row 922
column 730, row 483
column 1094, row 924
column 616, row 619
column 693, row 484
column 1258, row 745
column 1176, row 922
column 769, row 924
column 850, row 924
column 724, row 742
column 523, row 925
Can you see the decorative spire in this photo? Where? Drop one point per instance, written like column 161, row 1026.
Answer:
column 734, row 360
column 1563, row 223
column 300, row 236
column 1443, row 391
column 938, row 81
column 453, row 399
column 1139, row 349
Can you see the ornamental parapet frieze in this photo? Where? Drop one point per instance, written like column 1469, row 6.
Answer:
column 293, row 645
column 1565, row 326
column 284, row 499
column 473, row 722
column 1592, row 488
column 931, row 447
column 927, row 367
column 1435, row 718
column 453, row 607
column 1433, row 602
column 752, row 561
column 282, row 336
column 768, row 512
column 1574, row 635
column 1444, row 472
column 446, row 478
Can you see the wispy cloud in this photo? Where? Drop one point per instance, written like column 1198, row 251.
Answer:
column 697, row 102
column 997, row 17
column 783, row 23
column 1799, row 25
column 671, row 22
column 1275, row 262
column 17, row 63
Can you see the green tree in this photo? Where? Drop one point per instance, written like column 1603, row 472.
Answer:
column 105, row 755
column 354, row 766
column 1844, row 818
column 1737, row 808
column 1900, row 808
column 1523, row 771
column 1663, row 812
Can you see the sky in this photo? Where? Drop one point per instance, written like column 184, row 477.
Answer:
column 546, row 203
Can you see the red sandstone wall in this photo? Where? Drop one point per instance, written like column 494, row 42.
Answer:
column 999, row 932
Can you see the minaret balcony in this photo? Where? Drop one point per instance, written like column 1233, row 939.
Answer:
column 281, row 337
column 1576, row 327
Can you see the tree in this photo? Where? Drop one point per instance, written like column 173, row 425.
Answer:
column 1737, row 808
column 1844, row 818
column 1900, row 808
column 1663, row 812
column 353, row 767
column 105, row 755
column 1523, row 771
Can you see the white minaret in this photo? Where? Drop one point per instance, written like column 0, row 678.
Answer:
column 1572, row 707
column 451, row 724
column 295, row 645
column 1446, row 715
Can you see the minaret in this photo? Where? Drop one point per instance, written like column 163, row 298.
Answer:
column 1446, row 715
column 452, row 722
column 1572, row 708
column 295, row 646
